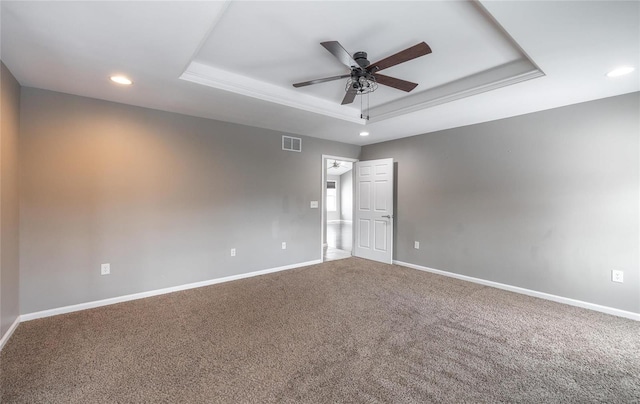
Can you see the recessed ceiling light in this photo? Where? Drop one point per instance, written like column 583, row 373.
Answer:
column 364, row 133
column 620, row 71
column 121, row 80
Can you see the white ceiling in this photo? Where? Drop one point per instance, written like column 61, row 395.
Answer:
column 237, row 60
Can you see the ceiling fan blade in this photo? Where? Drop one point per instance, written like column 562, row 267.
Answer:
column 316, row 81
column 413, row 52
column 340, row 53
column 395, row 83
column 349, row 97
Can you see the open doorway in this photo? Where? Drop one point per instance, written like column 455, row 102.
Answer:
column 337, row 183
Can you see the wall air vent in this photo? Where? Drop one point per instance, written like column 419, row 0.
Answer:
column 291, row 143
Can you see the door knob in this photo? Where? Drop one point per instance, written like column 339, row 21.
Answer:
column 388, row 216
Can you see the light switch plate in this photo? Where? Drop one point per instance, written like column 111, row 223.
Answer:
column 314, row 204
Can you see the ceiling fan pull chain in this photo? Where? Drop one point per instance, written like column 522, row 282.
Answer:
column 368, row 106
column 362, row 115
column 362, row 110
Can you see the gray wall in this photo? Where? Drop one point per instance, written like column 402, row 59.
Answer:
column 9, row 212
column 335, row 215
column 162, row 197
column 346, row 196
column 547, row 201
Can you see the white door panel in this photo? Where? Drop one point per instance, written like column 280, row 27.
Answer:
column 380, row 236
column 364, row 189
column 374, row 210
column 363, row 240
column 380, row 196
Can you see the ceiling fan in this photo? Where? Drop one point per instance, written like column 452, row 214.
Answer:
column 335, row 164
column 364, row 76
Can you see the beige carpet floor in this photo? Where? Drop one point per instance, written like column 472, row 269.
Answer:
column 343, row 331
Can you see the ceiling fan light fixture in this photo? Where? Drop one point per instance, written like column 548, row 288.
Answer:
column 121, row 80
column 620, row 71
column 362, row 85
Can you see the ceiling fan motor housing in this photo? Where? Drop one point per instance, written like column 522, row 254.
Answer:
column 361, row 59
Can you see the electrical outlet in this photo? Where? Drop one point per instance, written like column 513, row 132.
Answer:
column 416, row 245
column 284, row 245
column 105, row 269
column 617, row 276
column 233, row 252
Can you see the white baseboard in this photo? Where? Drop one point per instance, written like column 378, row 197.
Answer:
column 572, row 302
column 9, row 332
column 142, row 295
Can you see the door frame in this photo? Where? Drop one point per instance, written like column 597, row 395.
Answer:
column 323, row 198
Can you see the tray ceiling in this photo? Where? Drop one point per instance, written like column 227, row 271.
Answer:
column 252, row 50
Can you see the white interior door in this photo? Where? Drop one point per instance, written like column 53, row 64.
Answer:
column 373, row 216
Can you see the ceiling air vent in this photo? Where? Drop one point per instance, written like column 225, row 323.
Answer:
column 291, row 143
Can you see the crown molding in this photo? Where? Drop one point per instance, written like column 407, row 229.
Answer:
column 224, row 80
column 488, row 80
